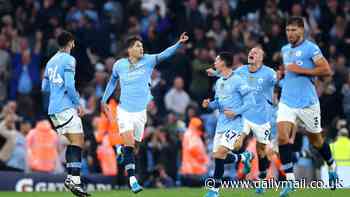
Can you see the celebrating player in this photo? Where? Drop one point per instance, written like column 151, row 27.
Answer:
column 64, row 108
column 134, row 74
column 303, row 61
column 233, row 97
column 261, row 79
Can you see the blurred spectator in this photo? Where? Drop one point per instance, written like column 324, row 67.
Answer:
column 100, row 28
column 99, row 82
column 103, row 127
column 5, row 68
column 346, row 98
column 341, row 72
column 273, row 42
column 217, row 32
column 194, row 165
column 25, row 78
column 107, row 157
column 270, row 15
column 8, row 140
column 158, row 85
column 159, row 179
column 341, row 153
column 154, row 117
column 233, row 41
column 42, row 148
column 18, row 159
column 200, row 83
column 191, row 112
column 176, row 99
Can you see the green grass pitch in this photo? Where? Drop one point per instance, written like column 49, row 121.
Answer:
column 188, row 192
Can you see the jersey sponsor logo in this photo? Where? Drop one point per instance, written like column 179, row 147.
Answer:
column 299, row 62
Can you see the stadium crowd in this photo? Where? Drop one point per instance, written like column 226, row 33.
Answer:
column 179, row 133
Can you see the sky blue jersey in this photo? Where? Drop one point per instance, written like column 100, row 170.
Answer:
column 134, row 80
column 59, row 83
column 262, row 82
column 234, row 94
column 298, row 90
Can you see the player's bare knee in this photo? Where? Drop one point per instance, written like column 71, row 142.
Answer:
column 239, row 142
column 316, row 140
column 220, row 153
column 76, row 139
column 282, row 138
column 128, row 138
column 261, row 149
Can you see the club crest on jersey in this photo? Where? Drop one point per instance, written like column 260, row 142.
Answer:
column 298, row 53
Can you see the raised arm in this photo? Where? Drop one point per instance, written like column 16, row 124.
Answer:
column 171, row 50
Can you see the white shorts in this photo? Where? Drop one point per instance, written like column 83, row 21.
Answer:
column 67, row 122
column 226, row 139
column 261, row 132
column 310, row 116
column 132, row 121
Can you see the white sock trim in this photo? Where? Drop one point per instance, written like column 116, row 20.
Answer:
column 75, row 179
column 290, row 176
column 132, row 180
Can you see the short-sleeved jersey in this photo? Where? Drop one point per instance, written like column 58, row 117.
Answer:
column 231, row 94
column 135, row 79
column 134, row 82
column 54, row 82
column 298, row 90
column 262, row 82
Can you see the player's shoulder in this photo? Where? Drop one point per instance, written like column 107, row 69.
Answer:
column 311, row 48
column 286, row 47
column 310, row 43
column 147, row 56
column 67, row 57
column 242, row 68
column 120, row 62
column 66, row 60
column 238, row 79
column 268, row 69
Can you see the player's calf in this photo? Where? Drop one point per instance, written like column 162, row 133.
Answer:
column 324, row 149
column 129, row 160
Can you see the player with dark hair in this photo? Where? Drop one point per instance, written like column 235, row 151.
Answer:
column 65, row 109
column 261, row 79
column 303, row 61
column 134, row 75
column 233, row 97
